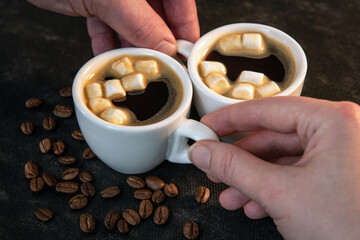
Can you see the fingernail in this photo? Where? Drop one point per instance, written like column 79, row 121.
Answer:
column 166, row 47
column 199, row 155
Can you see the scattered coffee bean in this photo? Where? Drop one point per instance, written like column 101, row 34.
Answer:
column 191, row 230
column 142, row 194
column 63, row 111
column 123, row 226
column 158, row 196
column 27, row 127
column 33, row 102
column 65, row 92
column 110, row 192
column 49, row 123
column 44, row 214
column 37, row 184
column 202, row 194
column 154, row 183
column 84, row 176
column 88, row 154
column 135, row 182
column 67, row 160
column 87, row 223
column 67, row 187
column 132, row 217
column 31, row 170
column 88, row 189
column 111, row 219
column 161, row 215
column 58, row 147
column 171, row 190
column 45, row 145
column 77, row 134
column 70, row 174
column 78, row 201
column 146, row 208
column 49, row 179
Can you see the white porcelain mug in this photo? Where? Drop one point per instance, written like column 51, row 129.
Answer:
column 138, row 149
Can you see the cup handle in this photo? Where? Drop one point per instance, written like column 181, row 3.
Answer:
column 184, row 47
column 178, row 146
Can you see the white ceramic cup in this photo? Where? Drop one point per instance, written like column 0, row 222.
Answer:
column 205, row 99
column 138, row 149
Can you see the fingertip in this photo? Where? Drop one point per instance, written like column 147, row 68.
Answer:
column 199, row 155
column 166, row 47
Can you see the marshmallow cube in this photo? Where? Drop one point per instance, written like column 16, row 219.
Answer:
column 218, row 83
column 115, row 115
column 207, row 67
column 244, row 91
column 253, row 41
column 123, row 66
column 230, row 44
column 134, row 82
column 114, row 89
column 149, row 68
column 268, row 89
column 254, row 78
column 97, row 105
column 93, row 90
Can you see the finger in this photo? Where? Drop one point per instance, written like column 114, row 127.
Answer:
column 254, row 211
column 70, row 7
column 102, row 36
column 158, row 7
column 124, row 42
column 215, row 180
column 183, row 19
column 232, row 199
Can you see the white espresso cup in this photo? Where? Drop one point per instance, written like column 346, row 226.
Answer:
column 138, row 149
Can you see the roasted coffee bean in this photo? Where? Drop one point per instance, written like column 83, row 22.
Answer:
column 161, row 215
column 63, row 111
column 88, row 154
column 49, row 123
column 88, row 189
column 171, row 190
column 31, row 170
column 135, row 182
column 110, row 192
column 154, row 183
column 78, row 201
column 67, row 160
column 58, row 147
column 33, row 102
column 44, row 214
column 70, row 174
column 67, row 187
column 191, row 230
column 158, row 196
column 142, row 194
column 65, row 92
column 49, row 179
column 37, row 184
column 111, row 219
column 87, row 223
column 77, row 134
column 146, row 208
column 123, row 226
column 45, row 145
column 132, row 217
column 27, row 127
column 84, row 176
column 202, row 194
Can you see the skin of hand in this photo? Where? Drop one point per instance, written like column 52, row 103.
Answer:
column 300, row 165
column 150, row 24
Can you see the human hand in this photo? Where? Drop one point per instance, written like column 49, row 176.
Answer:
column 300, row 166
column 138, row 23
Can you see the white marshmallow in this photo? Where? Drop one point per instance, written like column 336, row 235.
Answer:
column 149, row 68
column 116, row 116
column 253, row 41
column 93, row 90
column 229, row 45
column 268, row 90
column 207, row 67
column 218, row 83
column 123, row 66
column 97, row 105
column 244, row 91
column 254, row 78
column 134, row 82
column 114, row 89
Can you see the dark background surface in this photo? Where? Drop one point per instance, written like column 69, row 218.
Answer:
column 41, row 52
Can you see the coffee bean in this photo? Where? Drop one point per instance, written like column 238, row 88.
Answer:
column 111, row 219
column 88, row 154
column 49, row 179
column 70, row 174
column 171, row 190
column 154, row 183
column 67, row 160
column 202, row 194
column 110, row 192
column 142, row 194
column 87, row 223
column 44, row 214
column 63, row 111
column 67, row 187
column 161, row 215
column 123, row 226
column 84, row 176
column 49, row 123
column 77, row 134
column 65, row 92
column 27, row 127
column 31, row 170
column 132, row 217
column 146, row 208
column 58, row 147
column 158, row 196
column 45, row 145
column 37, row 184
column 191, row 230
column 33, row 102
column 135, row 182
column 78, row 201
column 87, row 189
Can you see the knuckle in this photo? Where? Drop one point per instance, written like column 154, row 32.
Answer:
column 143, row 33
column 227, row 168
column 349, row 111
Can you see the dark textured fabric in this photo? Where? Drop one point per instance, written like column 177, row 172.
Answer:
column 40, row 53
